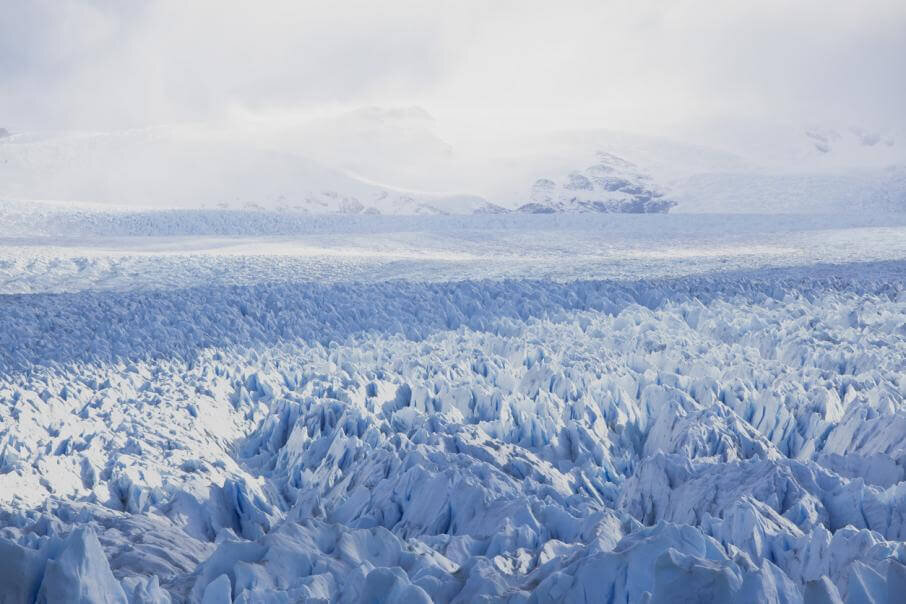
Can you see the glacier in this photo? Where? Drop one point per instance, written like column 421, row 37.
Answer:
column 631, row 409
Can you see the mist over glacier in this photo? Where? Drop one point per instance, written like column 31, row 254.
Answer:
column 413, row 108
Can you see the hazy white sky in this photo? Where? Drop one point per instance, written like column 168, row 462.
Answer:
column 103, row 64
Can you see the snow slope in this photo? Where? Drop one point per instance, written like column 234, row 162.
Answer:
column 783, row 175
column 633, row 409
column 392, row 161
column 193, row 167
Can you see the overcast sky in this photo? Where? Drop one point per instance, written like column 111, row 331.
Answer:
column 107, row 64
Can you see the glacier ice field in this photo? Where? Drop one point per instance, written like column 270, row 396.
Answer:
column 204, row 408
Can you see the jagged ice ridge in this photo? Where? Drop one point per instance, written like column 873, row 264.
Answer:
column 722, row 438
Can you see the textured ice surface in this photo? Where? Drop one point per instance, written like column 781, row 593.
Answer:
column 413, row 415
column 48, row 249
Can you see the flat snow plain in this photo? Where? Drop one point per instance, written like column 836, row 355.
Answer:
column 204, row 407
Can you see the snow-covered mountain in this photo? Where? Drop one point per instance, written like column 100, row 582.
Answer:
column 612, row 184
column 803, row 146
column 791, row 168
column 396, row 145
column 393, row 161
column 797, row 178
column 826, row 140
column 187, row 167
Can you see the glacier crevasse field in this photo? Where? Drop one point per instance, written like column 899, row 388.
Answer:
column 197, row 407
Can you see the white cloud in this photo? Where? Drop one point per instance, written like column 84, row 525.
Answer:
column 104, row 64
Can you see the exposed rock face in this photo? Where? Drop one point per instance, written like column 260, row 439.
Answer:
column 610, row 185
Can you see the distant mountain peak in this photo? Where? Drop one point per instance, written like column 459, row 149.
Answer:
column 611, row 185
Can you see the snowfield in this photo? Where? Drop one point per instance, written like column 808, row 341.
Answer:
column 372, row 409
